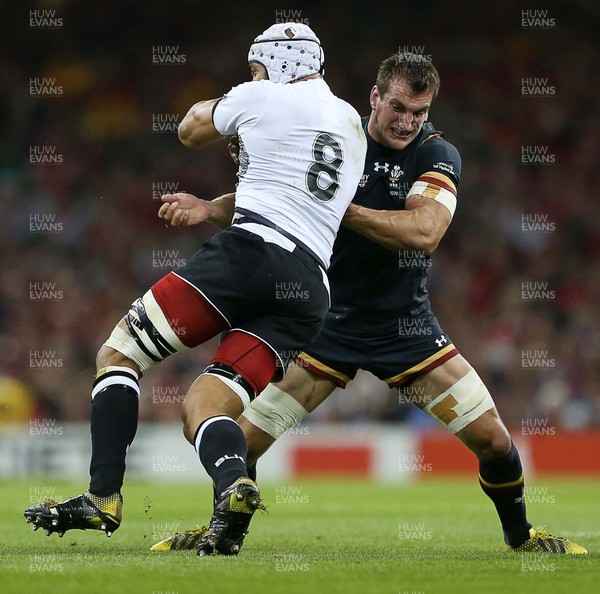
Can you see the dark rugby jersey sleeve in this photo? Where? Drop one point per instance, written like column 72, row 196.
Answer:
column 437, row 168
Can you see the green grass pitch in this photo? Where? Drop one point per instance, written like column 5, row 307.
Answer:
column 432, row 537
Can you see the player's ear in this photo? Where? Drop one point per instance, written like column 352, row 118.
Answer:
column 374, row 97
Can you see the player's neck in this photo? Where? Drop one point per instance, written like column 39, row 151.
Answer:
column 309, row 77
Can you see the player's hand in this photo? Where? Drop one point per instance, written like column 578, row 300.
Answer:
column 234, row 149
column 184, row 210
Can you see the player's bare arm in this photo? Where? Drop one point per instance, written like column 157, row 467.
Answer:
column 197, row 129
column 420, row 227
column 184, row 210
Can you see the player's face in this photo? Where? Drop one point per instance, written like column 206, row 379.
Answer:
column 258, row 71
column 399, row 115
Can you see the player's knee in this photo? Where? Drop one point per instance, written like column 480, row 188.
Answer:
column 188, row 430
column 491, row 441
column 498, row 444
column 144, row 336
column 193, row 413
column 108, row 357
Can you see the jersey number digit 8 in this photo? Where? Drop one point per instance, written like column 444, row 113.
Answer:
column 323, row 165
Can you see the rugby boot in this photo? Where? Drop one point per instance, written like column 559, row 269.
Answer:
column 229, row 523
column 540, row 541
column 84, row 512
column 182, row 541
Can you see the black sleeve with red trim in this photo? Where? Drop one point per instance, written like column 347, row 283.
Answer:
column 438, row 157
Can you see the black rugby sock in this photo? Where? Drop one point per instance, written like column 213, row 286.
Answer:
column 222, row 449
column 114, row 419
column 502, row 481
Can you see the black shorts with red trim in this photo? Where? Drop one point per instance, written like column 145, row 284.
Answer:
column 262, row 289
column 396, row 358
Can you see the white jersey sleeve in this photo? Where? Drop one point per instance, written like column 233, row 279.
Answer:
column 240, row 108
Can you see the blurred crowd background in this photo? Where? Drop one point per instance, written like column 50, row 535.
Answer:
column 515, row 281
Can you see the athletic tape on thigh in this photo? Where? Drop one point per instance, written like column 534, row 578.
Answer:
column 234, row 385
column 462, row 403
column 150, row 338
column 274, row 411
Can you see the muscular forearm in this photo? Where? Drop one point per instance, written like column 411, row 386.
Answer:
column 396, row 229
column 221, row 211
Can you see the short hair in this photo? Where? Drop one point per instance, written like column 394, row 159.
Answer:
column 417, row 70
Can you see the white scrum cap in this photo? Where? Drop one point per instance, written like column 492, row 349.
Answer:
column 288, row 51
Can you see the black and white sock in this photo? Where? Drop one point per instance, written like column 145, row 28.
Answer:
column 114, row 419
column 222, row 449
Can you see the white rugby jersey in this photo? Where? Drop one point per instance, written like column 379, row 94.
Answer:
column 302, row 154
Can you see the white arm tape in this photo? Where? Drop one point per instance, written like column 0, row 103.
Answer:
column 441, row 195
column 274, row 411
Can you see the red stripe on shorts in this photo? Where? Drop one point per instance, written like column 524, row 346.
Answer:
column 189, row 313
column 249, row 356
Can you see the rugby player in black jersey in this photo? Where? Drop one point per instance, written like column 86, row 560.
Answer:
column 380, row 318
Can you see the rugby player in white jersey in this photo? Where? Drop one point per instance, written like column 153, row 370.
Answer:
column 287, row 215
column 380, row 317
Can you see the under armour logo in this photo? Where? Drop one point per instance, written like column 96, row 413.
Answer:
column 441, row 340
column 385, row 166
